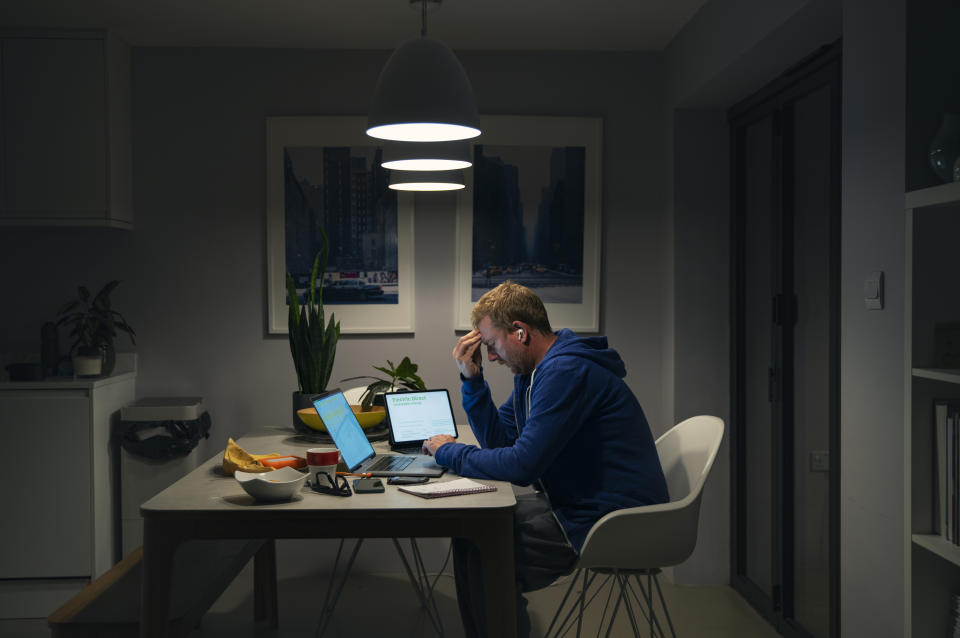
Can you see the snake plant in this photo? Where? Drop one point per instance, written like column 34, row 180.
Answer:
column 313, row 347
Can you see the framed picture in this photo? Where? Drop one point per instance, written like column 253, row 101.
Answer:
column 531, row 214
column 325, row 173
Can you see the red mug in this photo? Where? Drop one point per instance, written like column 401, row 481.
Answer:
column 323, row 456
column 323, row 460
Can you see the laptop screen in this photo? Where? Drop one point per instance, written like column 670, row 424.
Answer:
column 344, row 429
column 415, row 416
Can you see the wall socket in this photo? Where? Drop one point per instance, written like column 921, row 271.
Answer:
column 820, row 461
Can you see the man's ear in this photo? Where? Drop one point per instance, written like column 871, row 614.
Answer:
column 521, row 331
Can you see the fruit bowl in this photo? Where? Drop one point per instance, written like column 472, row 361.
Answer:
column 367, row 420
column 277, row 485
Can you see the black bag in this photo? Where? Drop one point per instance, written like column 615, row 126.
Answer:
column 164, row 439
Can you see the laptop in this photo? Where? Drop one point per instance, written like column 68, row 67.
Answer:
column 355, row 450
column 414, row 416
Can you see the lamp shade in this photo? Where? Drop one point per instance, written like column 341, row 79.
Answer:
column 423, row 95
column 427, row 156
column 426, row 180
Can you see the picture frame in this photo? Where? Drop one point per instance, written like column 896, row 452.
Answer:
column 530, row 142
column 309, row 150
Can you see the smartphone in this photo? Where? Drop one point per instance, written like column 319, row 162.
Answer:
column 367, row 486
column 407, row 480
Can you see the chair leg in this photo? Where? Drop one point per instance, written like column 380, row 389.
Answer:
column 663, row 603
column 650, row 602
column 647, row 601
column 624, row 582
column 573, row 581
column 626, row 596
column 581, row 602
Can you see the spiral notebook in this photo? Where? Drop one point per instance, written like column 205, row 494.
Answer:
column 448, row 488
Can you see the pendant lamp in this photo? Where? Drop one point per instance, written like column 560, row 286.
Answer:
column 427, row 156
column 423, row 94
column 426, row 180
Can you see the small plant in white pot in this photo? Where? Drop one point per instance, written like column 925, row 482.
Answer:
column 93, row 325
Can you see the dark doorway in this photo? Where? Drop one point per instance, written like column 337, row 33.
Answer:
column 785, row 142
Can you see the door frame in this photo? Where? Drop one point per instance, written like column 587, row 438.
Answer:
column 822, row 68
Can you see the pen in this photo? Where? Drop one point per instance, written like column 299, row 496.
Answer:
column 361, row 474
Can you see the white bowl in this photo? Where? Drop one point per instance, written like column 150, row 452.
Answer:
column 277, row 485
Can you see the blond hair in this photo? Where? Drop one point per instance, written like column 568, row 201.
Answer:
column 511, row 302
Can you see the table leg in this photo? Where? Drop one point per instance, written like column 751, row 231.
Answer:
column 265, row 584
column 495, row 542
column 160, row 543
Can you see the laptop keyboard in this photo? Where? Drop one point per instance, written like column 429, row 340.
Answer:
column 391, row 463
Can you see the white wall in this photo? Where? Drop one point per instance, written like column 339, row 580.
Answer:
column 193, row 269
column 701, row 352
column 871, row 357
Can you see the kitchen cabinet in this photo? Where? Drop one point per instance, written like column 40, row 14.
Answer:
column 65, row 124
column 58, row 489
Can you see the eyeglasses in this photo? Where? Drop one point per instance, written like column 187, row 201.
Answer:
column 334, row 485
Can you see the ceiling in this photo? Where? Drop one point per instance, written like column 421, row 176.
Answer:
column 598, row 25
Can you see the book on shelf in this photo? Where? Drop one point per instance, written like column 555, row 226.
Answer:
column 947, row 463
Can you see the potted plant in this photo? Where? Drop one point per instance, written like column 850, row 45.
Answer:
column 93, row 325
column 312, row 345
column 403, row 375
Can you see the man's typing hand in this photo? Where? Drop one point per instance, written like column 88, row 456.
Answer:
column 467, row 354
column 430, row 445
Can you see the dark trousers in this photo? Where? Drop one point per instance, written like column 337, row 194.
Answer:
column 542, row 555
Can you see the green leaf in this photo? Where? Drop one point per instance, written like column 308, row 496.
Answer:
column 389, row 371
column 313, row 281
column 68, row 307
column 406, row 368
column 312, row 344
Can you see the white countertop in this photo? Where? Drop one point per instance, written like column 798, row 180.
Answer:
column 126, row 368
column 61, row 383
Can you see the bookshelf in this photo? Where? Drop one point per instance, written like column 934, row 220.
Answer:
column 932, row 296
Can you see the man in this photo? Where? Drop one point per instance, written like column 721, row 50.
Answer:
column 571, row 427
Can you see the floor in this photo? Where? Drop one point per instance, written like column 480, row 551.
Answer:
column 374, row 605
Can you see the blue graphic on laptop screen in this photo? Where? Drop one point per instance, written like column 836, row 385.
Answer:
column 344, row 429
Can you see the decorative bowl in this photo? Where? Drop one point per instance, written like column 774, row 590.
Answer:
column 367, row 420
column 277, row 485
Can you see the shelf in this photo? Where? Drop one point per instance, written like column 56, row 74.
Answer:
column 941, row 195
column 939, row 546
column 938, row 374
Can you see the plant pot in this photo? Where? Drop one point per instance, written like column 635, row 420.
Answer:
column 88, row 362
column 300, row 401
column 109, row 359
column 945, row 147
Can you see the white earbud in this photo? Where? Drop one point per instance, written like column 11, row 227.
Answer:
column 520, row 334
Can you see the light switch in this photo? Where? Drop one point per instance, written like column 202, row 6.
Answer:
column 820, row 461
column 873, row 291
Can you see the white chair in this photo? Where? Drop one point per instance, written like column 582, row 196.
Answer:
column 640, row 540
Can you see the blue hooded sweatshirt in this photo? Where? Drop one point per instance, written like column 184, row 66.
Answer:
column 579, row 431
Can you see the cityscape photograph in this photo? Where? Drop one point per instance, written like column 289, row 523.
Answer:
column 528, row 214
column 343, row 191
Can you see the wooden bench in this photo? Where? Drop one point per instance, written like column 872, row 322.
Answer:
column 109, row 607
